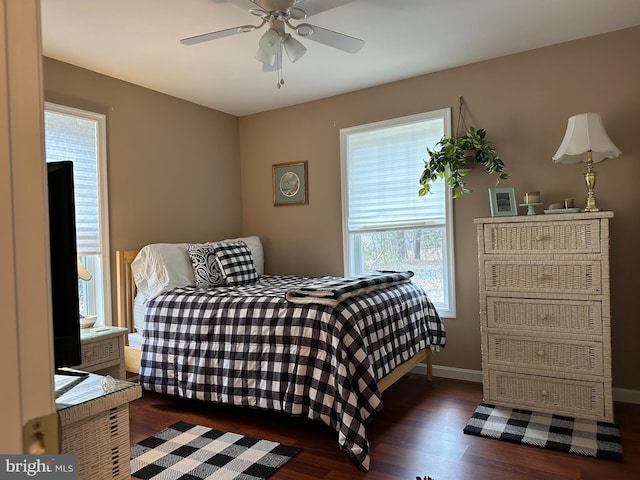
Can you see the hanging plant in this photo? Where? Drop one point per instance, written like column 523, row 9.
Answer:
column 453, row 158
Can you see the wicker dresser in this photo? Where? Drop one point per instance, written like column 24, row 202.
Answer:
column 544, row 310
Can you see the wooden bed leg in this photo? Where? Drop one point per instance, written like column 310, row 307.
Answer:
column 429, row 364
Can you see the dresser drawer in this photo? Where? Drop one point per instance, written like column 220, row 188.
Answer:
column 547, row 394
column 550, row 355
column 95, row 353
column 559, row 316
column 542, row 275
column 543, row 237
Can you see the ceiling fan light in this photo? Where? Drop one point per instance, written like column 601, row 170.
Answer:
column 269, row 42
column 295, row 50
column 265, row 58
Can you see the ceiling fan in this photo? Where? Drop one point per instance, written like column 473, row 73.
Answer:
column 278, row 14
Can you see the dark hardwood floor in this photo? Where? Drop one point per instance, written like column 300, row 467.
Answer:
column 417, row 433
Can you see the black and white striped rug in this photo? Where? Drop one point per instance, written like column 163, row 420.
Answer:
column 192, row 452
column 567, row 434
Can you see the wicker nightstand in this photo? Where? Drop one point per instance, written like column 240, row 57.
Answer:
column 545, row 314
column 103, row 351
column 94, row 424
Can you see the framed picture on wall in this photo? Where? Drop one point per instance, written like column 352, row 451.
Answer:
column 502, row 202
column 290, row 184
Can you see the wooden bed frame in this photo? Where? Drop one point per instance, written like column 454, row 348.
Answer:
column 125, row 295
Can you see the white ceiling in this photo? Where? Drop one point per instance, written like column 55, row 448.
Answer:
column 138, row 41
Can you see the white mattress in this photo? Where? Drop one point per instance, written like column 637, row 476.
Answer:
column 135, row 340
column 139, row 306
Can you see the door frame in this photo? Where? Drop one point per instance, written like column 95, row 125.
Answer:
column 26, row 342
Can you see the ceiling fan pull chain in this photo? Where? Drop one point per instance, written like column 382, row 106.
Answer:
column 279, row 60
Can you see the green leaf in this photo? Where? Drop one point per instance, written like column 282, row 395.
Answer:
column 448, row 155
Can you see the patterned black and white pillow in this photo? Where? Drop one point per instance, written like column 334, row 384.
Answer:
column 236, row 263
column 205, row 265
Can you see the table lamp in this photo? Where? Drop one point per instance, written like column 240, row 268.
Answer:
column 586, row 141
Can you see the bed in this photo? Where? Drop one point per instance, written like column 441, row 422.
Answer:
column 323, row 348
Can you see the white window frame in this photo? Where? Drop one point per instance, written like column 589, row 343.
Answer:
column 103, row 282
column 447, row 309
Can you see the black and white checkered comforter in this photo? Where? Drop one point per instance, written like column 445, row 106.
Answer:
column 249, row 346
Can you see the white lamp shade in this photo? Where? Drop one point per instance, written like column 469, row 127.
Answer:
column 585, row 132
column 82, row 272
column 295, row 50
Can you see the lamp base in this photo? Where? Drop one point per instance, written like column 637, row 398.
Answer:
column 590, row 180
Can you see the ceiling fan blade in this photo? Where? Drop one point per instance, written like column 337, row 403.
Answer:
column 205, row 37
column 315, row 7
column 328, row 37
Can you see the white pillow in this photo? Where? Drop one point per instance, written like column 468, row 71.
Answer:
column 160, row 267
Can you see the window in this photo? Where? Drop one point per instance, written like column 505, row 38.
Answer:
column 80, row 136
column 386, row 224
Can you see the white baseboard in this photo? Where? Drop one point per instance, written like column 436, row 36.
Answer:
column 626, row 395
column 619, row 394
column 451, row 372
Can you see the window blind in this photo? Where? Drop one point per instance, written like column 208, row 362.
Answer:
column 383, row 174
column 72, row 138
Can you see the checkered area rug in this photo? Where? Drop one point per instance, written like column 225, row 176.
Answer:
column 567, row 434
column 193, row 452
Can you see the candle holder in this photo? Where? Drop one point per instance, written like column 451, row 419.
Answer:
column 531, row 198
column 531, row 207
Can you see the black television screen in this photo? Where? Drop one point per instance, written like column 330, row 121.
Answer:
column 64, row 267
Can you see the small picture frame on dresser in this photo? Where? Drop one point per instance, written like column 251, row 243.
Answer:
column 502, row 202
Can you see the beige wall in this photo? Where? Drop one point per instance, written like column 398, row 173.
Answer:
column 523, row 101
column 174, row 172
column 173, row 166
